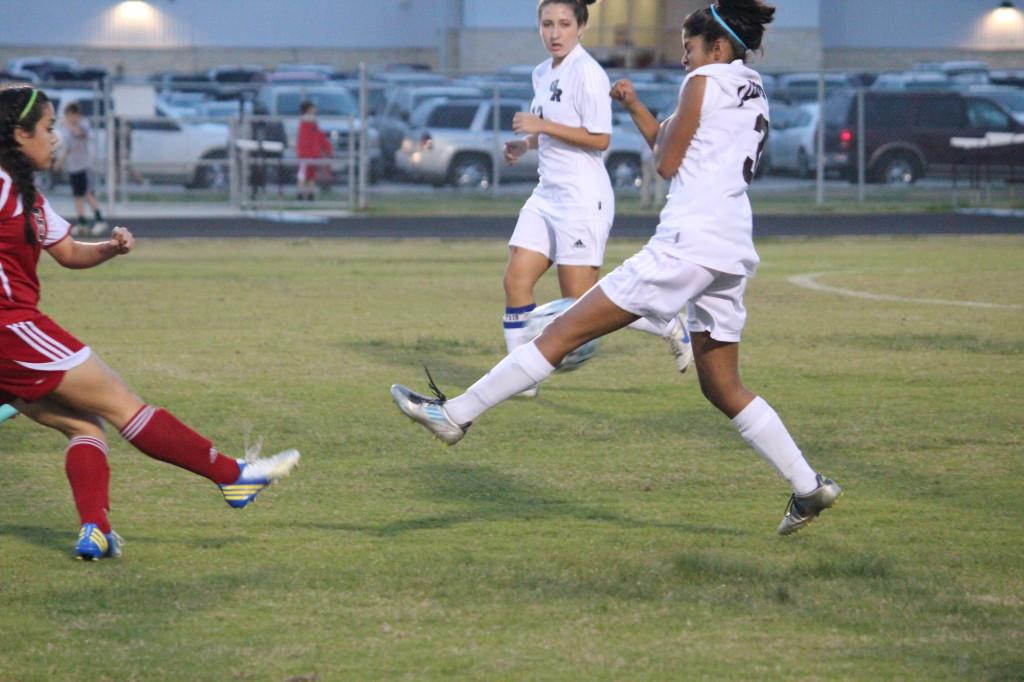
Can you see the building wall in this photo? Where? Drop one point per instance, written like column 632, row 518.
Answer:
column 140, row 62
column 921, row 25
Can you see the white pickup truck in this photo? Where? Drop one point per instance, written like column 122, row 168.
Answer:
column 162, row 148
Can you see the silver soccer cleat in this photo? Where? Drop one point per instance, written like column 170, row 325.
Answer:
column 678, row 340
column 429, row 412
column 802, row 509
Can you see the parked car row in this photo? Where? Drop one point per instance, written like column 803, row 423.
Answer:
column 427, row 126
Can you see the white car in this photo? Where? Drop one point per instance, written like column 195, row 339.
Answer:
column 162, row 147
column 791, row 141
column 453, row 142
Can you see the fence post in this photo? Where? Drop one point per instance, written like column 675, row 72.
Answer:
column 820, row 155
column 860, row 145
column 363, row 158
column 108, row 106
column 497, row 155
column 350, row 149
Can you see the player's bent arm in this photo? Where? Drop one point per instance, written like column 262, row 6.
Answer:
column 644, row 121
column 674, row 138
column 578, row 137
column 80, row 255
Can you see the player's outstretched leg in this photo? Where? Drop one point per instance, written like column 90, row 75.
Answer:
column 159, row 434
column 802, row 509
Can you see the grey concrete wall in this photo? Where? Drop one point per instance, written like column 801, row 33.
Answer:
column 491, row 49
column 879, row 59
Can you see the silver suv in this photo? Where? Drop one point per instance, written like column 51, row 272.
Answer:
column 453, row 142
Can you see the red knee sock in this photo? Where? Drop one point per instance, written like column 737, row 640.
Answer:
column 86, row 465
column 160, row 435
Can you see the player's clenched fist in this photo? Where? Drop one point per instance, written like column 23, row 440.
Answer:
column 624, row 92
column 121, row 240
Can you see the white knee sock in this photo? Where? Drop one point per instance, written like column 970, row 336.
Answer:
column 646, row 326
column 515, row 326
column 761, row 427
column 521, row 369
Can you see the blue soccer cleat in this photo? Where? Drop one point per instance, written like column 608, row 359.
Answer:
column 94, row 544
column 257, row 474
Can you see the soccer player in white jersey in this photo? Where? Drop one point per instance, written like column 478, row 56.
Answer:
column 567, row 219
column 53, row 378
column 700, row 257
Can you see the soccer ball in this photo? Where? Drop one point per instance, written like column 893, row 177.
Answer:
column 544, row 315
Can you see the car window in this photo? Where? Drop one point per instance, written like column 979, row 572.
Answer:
column 884, row 112
column 457, row 116
column 327, row 103
column 802, row 119
column 940, row 113
column 505, row 117
column 984, row 115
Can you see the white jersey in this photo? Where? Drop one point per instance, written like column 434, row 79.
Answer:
column 707, row 215
column 574, row 94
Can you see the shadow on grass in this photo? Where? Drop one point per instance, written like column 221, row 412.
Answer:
column 62, row 540
column 488, row 495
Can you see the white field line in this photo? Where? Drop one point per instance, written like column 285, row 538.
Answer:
column 809, row 281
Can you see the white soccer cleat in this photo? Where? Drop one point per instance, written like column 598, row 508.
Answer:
column 802, row 509
column 678, row 340
column 429, row 412
column 257, row 474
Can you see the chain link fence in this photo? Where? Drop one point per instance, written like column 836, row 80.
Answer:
column 834, row 138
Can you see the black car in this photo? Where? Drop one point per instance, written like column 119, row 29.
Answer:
column 907, row 134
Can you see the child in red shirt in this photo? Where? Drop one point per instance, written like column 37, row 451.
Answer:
column 311, row 144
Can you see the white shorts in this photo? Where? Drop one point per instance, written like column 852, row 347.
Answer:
column 658, row 284
column 565, row 236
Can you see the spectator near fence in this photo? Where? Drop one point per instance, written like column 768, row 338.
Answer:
column 311, row 146
column 77, row 162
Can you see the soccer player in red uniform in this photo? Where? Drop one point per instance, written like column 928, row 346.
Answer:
column 56, row 380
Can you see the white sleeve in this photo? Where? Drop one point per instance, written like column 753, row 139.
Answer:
column 56, row 227
column 593, row 101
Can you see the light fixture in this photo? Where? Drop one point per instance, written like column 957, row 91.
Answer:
column 1006, row 4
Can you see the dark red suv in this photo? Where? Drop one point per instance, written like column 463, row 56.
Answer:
column 907, row 134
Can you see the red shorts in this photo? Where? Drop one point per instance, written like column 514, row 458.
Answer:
column 35, row 352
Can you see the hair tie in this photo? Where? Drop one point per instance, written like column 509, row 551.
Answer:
column 31, row 103
column 720, row 20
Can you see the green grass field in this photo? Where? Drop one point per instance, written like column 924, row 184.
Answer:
column 615, row 528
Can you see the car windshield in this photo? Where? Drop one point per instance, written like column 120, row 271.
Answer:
column 327, row 103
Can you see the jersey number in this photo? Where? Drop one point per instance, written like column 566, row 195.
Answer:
column 750, row 165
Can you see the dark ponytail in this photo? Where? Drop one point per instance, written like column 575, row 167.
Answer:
column 746, row 18
column 13, row 115
column 579, row 8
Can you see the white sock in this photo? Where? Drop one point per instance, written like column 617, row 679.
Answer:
column 515, row 326
column 648, row 327
column 521, row 369
column 761, row 427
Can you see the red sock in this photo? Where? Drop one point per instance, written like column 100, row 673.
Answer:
column 159, row 434
column 86, row 465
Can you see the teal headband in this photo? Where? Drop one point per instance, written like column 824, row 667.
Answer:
column 728, row 29
column 31, row 103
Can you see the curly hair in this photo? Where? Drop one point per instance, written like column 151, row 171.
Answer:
column 13, row 115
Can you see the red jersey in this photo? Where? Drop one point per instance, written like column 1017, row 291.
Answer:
column 19, row 281
column 312, row 143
